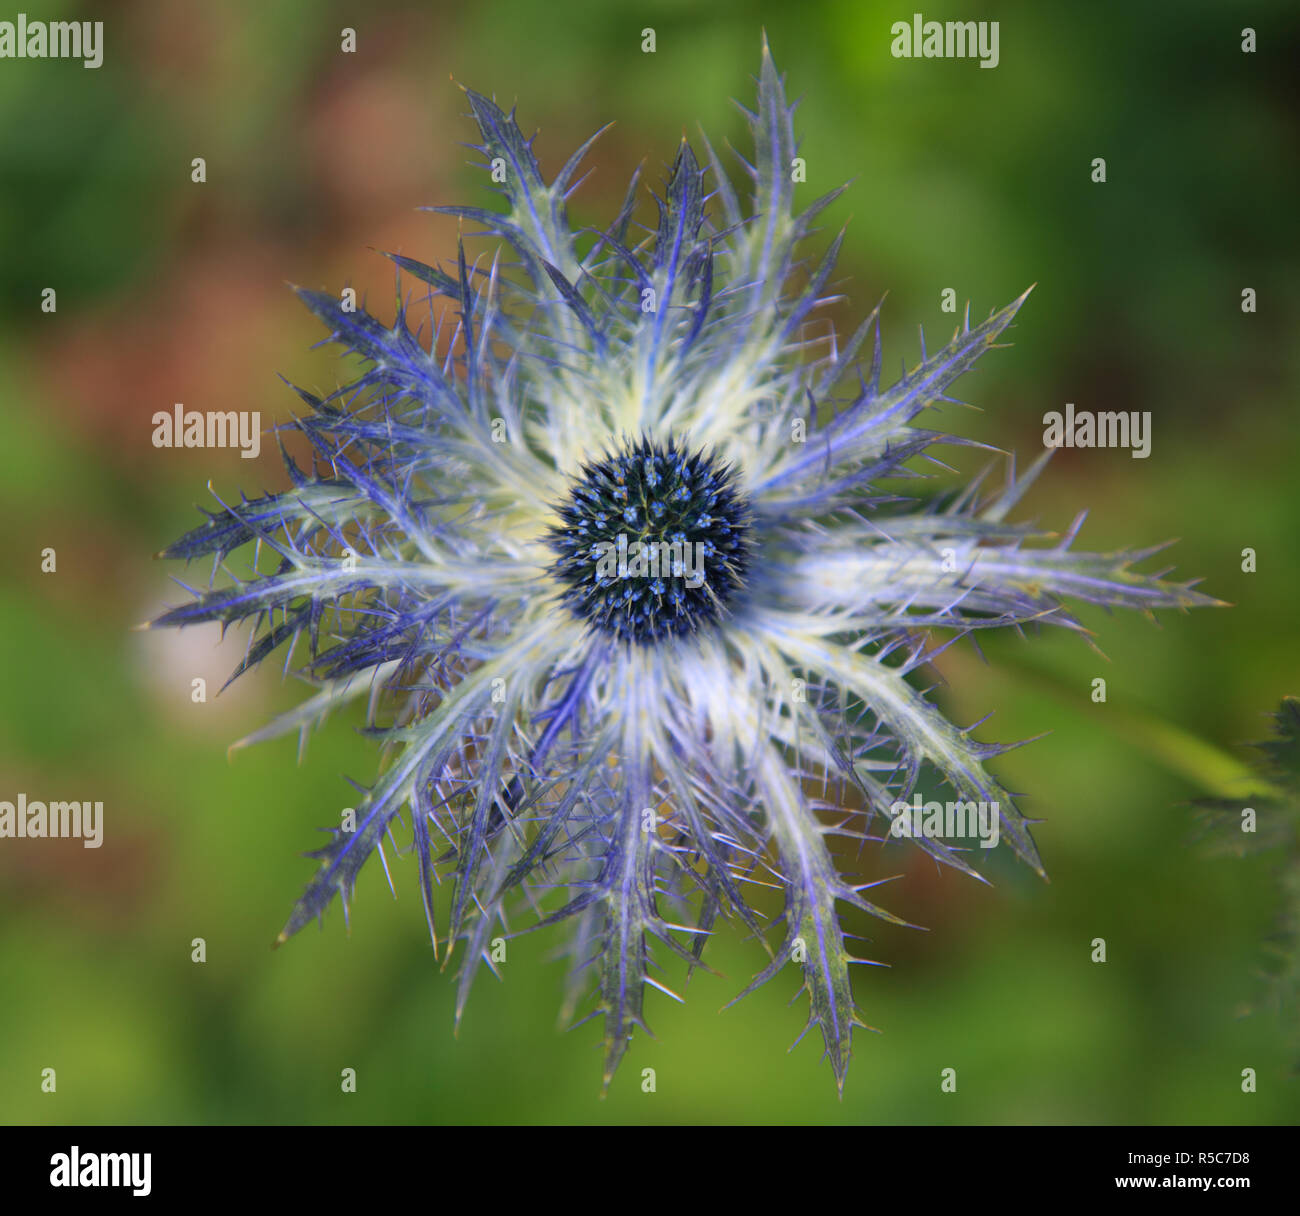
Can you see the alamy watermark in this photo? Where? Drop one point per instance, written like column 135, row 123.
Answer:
column 23, row 820
column 945, row 40
column 184, row 428
column 918, row 820
column 77, row 1168
column 622, row 558
column 23, row 39
column 1108, row 429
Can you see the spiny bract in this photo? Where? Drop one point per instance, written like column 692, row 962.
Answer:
column 633, row 755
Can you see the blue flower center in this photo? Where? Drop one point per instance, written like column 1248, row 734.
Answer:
column 652, row 542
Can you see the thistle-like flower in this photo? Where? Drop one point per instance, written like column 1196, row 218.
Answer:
column 608, row 550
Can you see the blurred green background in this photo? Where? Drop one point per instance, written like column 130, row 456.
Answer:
column 170, row 291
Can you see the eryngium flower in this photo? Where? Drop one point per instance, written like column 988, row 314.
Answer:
column 609, row 550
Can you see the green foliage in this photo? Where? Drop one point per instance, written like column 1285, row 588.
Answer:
column 1269, row 824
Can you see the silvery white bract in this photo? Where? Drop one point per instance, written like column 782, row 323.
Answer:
column 606, row 549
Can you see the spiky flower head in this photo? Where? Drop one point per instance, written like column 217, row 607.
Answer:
column 634, row 750
column 684, row 523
